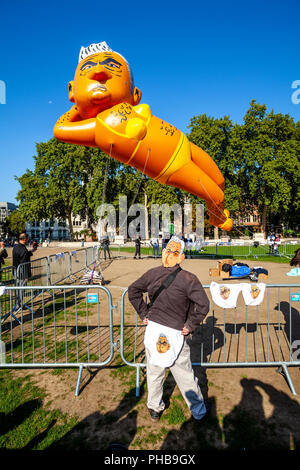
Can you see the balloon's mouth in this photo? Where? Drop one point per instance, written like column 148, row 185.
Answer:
column 99, row 87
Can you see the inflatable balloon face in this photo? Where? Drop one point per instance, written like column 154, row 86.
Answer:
column 102, row 80
column 107, row 114
column 173, row 253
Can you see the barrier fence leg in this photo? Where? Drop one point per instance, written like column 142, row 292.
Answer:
column 283, row 370
column 137, row 387
column 78, row 381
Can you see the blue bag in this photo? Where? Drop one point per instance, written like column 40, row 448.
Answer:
column 238, row 271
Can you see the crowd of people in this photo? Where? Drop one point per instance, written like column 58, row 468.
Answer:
column 190, row 243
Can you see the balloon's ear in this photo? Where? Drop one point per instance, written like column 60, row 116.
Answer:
column 71, row 93
column 137, row 96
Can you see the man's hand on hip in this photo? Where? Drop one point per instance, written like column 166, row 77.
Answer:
column 185, row 331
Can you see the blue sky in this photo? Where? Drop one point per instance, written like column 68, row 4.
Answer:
column 187, row 57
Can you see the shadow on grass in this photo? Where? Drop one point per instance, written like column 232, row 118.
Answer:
column 246, row 427
column 112, row 430
column 13, row 419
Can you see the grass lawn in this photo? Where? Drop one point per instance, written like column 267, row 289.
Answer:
column 236, row 252
column 26, row 422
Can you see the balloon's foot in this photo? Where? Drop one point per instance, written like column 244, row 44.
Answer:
column 228, row 224
column 225, row 225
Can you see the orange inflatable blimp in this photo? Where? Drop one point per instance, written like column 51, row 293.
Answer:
column 107, row 114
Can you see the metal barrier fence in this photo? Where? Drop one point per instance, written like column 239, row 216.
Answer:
column 241, row 250
column 91, row 255
column 51, row 270
column 265, row 335
column 67, row 326
column 77, row 260
column 34, row 273
column 290, row 248
column 72, row 326
column 207, row 249
column 8, row 276
column 114, row 250
column 59, row 268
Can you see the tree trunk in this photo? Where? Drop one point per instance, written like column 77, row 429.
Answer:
column 69, row 217
column 216, row 233
column 265, row 220
column 146, row 215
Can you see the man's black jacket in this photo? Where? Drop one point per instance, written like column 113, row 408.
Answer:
column 22, row 255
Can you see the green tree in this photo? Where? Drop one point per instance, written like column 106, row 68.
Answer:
column 14, row 223
column 213, row 135
column 56, row 186
column 265, row 150
column 99, row 180
column 259, row 160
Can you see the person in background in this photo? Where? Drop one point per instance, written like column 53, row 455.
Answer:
column 105, row 246
column 138, row 243
column 277, row 242
column 3, row 256
column 3, row 253
column 155, row 245
column 21, row 255
column 165, row 241
column 188, row 245
column 271, row 242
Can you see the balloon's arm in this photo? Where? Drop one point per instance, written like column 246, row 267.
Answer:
column 70, row 128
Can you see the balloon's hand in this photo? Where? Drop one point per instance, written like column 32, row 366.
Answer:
column 70, row 116
column 72, row 129
column 136, row 129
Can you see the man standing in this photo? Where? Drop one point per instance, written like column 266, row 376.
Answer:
column 138, row 243
column 155, row 245
column 3, row 255
column 105, row 245
column 21, row 255
column 174, row 313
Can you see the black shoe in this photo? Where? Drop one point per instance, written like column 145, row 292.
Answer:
column 154, row 415
column 202, row 420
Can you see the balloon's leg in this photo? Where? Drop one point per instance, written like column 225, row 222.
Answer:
column 194, row 180
column 207, row 165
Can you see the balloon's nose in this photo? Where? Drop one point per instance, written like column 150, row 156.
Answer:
column 100, row 74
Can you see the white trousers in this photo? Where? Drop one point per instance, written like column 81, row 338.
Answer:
column 183, row 374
